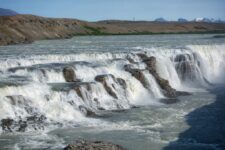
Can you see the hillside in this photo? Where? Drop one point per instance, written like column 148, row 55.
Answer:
column 28, row 28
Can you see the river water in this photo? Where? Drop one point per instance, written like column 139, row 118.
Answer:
column 34, row 92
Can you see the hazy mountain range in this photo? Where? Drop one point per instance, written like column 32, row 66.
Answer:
column 200, row 19
column 7, row 12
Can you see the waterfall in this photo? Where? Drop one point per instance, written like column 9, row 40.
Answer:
column 35, row 85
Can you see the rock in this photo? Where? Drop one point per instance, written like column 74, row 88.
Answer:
column 122, row 82
column 103, row 79
column 69, row 74
column 78, row 89
column 151, row 63
column 87, row 112
column 138, row 74
column 79, row 92
column 22, row 126
column 168, row 91
column 36, row 118
column 142, row 56
column 93, row 145
column 34, row 121
column 7, row 124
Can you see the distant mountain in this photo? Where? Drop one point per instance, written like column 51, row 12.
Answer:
column 208, row 20
column 160, row 20
column 182, row 20
column 7, row 12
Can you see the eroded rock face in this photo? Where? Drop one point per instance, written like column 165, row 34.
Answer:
column 150, row 62
column 78, row 89
column 69, row 74
column 103, row 79
column 122, row 82
column 7, row 124
column 138, row 74
column 142, row 56
column 93, row 145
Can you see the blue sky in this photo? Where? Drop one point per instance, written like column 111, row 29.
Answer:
column 93, row 10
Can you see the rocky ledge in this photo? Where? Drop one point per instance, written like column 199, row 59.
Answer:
column 92, row 145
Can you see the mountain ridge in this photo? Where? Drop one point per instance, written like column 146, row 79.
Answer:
column 7, row 12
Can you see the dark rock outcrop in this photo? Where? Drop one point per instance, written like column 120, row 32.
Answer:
column 7, row 124
column 142, row 56
column 93, row 145
column 103, row 79
column 122, row 82
column 138, row 74
column 150, row 62
column 79, row 87
column 34, row 121
column 69, row 74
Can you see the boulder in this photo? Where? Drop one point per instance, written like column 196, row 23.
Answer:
column 78, row 88
column 138, row 74
column 93, row 145
column 142, row 56
column 7, row 124
column 103, row 79
column 168, row 91
column 150, row 63
column 122, row 82
column 69, row 74
column 79, row 92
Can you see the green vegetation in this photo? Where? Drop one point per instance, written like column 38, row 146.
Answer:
column 95, row 31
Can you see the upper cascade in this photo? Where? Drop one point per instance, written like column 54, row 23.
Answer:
column 70, row 88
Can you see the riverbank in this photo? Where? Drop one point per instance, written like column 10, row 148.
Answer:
column 22, row 29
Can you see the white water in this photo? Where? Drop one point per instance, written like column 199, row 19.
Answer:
column 39, row 73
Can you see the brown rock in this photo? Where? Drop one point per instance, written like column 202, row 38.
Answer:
column 138, row 74
column 7, row 124
column 95, row 145
column 103, row 79
column 122, row 82
column 168, row 91
column 69, row 74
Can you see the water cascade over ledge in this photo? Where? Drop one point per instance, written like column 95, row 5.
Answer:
column 38, row 90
